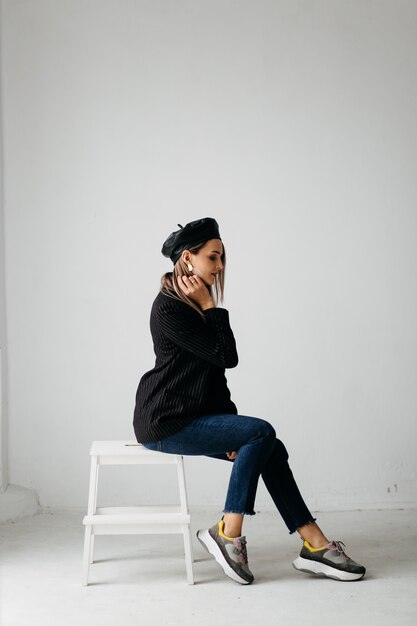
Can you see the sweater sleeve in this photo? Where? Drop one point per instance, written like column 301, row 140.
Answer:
column 211, row 340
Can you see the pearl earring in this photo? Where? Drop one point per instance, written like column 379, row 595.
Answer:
column 190, row 267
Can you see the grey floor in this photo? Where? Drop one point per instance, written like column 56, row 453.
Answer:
column 140, row 579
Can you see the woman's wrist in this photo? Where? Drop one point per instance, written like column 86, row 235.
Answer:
column 208, row 305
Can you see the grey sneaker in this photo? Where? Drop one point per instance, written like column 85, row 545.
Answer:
column 231, row 554
column 331, row 560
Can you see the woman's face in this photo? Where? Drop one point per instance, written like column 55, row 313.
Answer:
column 207, row 262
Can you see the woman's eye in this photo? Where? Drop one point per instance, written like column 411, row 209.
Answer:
column 212, row 258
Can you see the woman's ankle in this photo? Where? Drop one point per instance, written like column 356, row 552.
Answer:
column 232, row 525
column 232, row 533
column 313, row 534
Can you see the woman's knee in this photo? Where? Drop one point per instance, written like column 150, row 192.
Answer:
column 267, row 430
column 281, row 451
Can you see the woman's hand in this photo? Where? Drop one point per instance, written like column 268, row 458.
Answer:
column 194, row 288
column 231, row 455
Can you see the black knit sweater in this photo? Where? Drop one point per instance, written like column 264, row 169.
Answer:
column 188, row 379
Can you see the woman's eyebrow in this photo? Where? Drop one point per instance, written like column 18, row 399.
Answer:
column 215, row 251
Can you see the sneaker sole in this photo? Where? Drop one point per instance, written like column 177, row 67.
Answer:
column 212, row 548
column 314, row 567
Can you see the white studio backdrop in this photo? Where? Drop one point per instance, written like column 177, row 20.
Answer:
column 293, row 124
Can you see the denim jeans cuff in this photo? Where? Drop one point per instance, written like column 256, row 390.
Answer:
column 311, row 521
column 240, row 512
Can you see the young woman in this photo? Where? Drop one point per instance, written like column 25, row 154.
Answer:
column 183, row 406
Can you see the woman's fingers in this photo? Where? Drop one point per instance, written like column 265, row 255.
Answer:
column 186, row 282
column 182, row 285
column 194, row 287
column 232, row 455
column 192, row 282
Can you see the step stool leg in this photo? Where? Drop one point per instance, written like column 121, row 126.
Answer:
column 183, row 493
column 188, row 546
column 89, row 533
column 86, row 555
column 91, row 557
column 188, row 554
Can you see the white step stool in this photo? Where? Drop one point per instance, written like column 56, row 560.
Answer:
column 132, row 520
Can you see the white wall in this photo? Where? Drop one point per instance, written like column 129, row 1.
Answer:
column 3, row 348
column 293, row 124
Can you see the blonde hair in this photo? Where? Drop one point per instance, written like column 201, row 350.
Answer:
column 170, row 286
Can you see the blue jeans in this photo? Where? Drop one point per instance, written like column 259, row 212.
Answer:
column 259, row 452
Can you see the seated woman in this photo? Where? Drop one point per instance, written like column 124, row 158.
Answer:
column 183, row 406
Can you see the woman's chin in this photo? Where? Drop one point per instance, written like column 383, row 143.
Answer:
column 208, row 281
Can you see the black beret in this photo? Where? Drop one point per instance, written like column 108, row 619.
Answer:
column 190, row 235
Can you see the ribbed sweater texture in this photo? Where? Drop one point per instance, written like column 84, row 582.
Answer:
column 188, row 378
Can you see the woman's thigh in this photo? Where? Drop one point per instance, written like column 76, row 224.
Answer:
column 213, row 435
